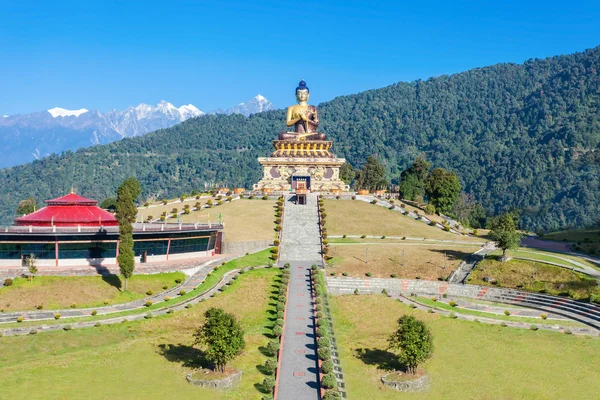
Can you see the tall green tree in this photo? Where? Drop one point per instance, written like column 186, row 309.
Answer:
column 223, row 336
column 504, row 233
column 347, row 173
column 442, row 188
column 26, row 206
column 127, row 193
column 414, row 340
column 372, row 176
column 412, row 179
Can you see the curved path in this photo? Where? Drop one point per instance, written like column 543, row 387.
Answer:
column 168, row 308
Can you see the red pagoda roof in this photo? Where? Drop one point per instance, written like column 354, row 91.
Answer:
column 69, row 210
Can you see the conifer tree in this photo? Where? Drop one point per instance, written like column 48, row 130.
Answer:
column 127, row 193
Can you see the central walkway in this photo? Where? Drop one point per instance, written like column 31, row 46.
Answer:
column 301, row 247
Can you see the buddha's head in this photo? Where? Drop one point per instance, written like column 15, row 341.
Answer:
column 302, row 92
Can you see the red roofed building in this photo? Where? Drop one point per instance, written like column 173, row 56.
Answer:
column 73, row 231
column 69, row 210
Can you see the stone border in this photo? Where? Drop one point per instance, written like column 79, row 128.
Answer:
column 415, row 385
column 223, row 384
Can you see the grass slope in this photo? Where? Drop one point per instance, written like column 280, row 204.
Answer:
column 55, row 292
column 347, row 217
column 137, row 360
column 470, row 361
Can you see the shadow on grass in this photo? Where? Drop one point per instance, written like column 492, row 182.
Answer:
column 383, row 359
column 188, row 356
column 113, row 280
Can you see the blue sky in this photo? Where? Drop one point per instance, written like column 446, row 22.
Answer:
column 103, row 55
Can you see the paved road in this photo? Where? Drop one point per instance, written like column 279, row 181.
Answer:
column 300, row 246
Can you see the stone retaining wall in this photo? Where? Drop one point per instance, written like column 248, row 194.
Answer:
column 225, row 383
column 415, row 385
column 246, row 247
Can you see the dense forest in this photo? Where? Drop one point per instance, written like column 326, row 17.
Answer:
column 521, row 137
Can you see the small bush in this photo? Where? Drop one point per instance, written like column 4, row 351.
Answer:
column 430, row 311
column 503, row 324
column 393, row 276
column 149, row 292
column 270, row 366
column 369, row 274
column 280, row 306
column 170, row 311
column 279, row 322
column 167, row 298
column 280, row 314
column 39, row 306
column 445, row 295
column 268, row 384
column 8, row 282
column 67, row 327
column 105, row 302
column 19, row 319
column 434, row 299
column 327, row 367
column 178, row 281
column 148, row 315
column 506, row 312
column 452, row 303
column 57, row 316
column 413, row 306
column 356, row 291
column 74, row 305
column 148, row 303
column 33, row 332
column 332, row 395
column 533, row 328
column 97, row 324
column 94, row 312
column 384, row 292
column 345, row 273
column 318, row 307
column 329, row 382
column 452, row 315
column 323, row 342
column 182, row 292
column 363, row 236
column 568, row 332
column 165, row 287
column 273, row 347
column 543, row 316
column 324, row 353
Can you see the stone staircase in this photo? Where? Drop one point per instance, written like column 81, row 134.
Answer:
column 301, row 238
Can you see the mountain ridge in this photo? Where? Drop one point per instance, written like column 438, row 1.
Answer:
column 520, row 136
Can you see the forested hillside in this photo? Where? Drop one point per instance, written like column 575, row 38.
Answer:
column 519, row 136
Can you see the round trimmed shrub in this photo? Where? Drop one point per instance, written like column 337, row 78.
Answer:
column 280, row 314
column 182, row 292
column 332, row 395
column 322, row 322
column 97, row 324
column 320, row 314
column 57, row 316
column 452, row 315
column 503, row 324
column 318, row 307
column 568, row 332
column 39, row 306
column 165, row 287
column 344, row 273
column 94, row 312
column 329, row 381
column 280, row 306
column 273, row 347
column 327, row 367
column 19, row 319
column 323, row 342
column 8, row 282
column 74, row 305
column 533, row 327
column 178, row 281
column 270, row 366
column 369, row 274
column 149, row 292
column 148, row 303
column 67, row 327
column 277, row 331
column 105, row 302
column 543, row 316
column 452, row 303
column 506, row 312
column 324, row 354
column 170, row 311
column 279, row 322
column 323, row 332
column 268, row 384
column 148, row 316
column 393, row 276
column 33, row 332
column 167, row 298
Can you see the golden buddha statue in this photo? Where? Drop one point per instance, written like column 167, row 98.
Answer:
column 303, row 117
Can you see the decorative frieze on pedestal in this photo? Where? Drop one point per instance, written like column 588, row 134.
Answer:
column 323, row 173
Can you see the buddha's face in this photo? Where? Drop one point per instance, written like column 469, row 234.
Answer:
column 302, row 95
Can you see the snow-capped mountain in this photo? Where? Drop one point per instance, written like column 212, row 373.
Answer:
column 26, row 137
column 253, row 106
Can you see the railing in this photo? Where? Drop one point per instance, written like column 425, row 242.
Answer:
column 137, row 227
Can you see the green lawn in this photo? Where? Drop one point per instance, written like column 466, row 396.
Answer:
column 137, row 360
column 255, row 259
column 529, row 320
column 55, row 292
column 470, row 361
column 535, row 277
